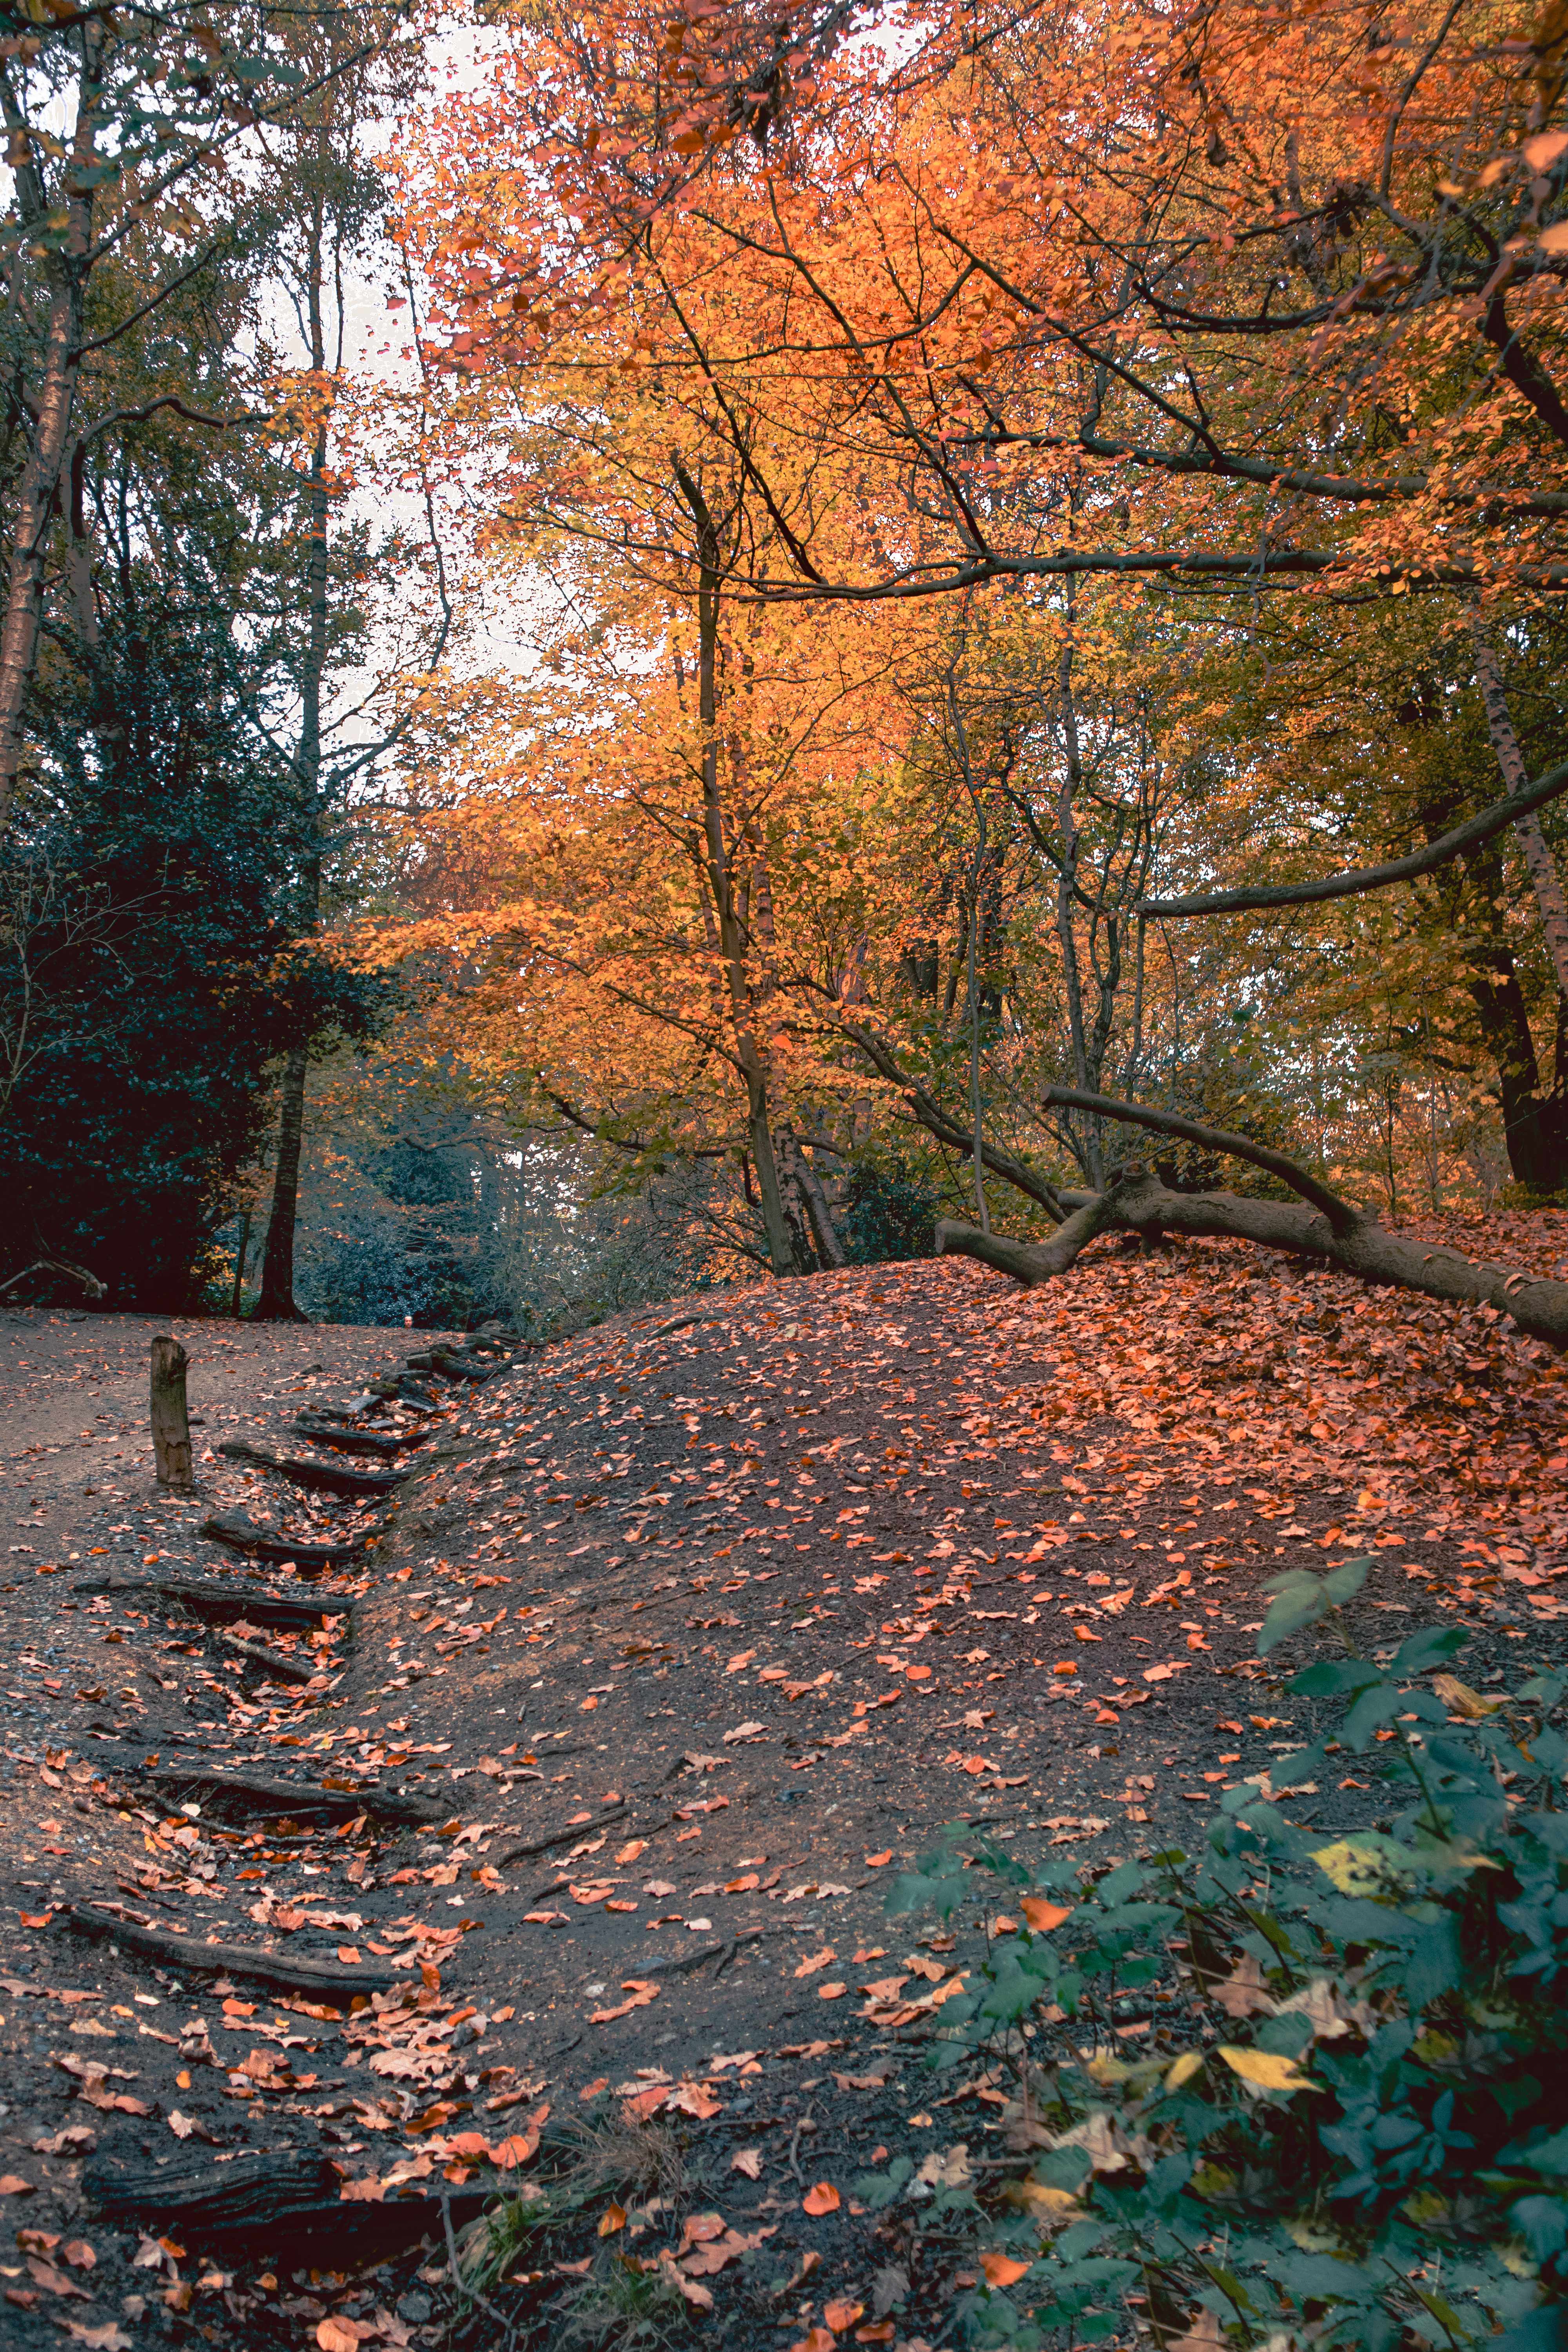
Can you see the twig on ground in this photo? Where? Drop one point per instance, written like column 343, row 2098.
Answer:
column 801, row 2123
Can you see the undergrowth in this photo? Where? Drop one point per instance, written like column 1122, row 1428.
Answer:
column 1346, row 2129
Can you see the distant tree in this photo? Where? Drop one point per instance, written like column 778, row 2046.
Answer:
column 150, row 975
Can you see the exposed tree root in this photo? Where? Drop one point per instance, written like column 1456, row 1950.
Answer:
column 191, row 1954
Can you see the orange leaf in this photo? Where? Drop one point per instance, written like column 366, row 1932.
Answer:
column 1043, row 1915
column 338, row 2335
column 1002, row 2270
column 878, row 1861
column 822, row 2198
column 840, row 2316
column 614, row 2218
column 816, row 2339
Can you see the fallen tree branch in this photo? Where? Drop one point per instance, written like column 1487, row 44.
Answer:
column 1342, row 1214
column 1352, row 883
column 1029, row 1262
column 557, row 1837
column 1141, row 1205
column 283, row 1668
column 89, row 1282
column 243, row 1535
column 209, row 1598
column 332, row 1478
column 292, row 1797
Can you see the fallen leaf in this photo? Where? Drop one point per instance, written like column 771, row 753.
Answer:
column 181, row 2126
column 12, row 2185
column 747, row 2160
column 1267, row 2069
column 1041, row 1915
column 878, row 1861
column 1461, row 1700
column 821, row 2198
column 841, row 2316
column 831, row 1991
column 946, row 2167
column 1002, row 2270
column 613, row 2219
column 1243, row 1993
column 816, row 1960
column 338, row 2335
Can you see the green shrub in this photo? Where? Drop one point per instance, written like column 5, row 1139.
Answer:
column 1347, row 2126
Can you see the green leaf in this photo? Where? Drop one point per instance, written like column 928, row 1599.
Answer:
column 1331, row 1677
column 1429, row 1648
column 1371, row 1710
column 1436, row 1965
column 1343, row 1584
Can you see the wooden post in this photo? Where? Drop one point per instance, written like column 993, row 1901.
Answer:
column 171, row 1427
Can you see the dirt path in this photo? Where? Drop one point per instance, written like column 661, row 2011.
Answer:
column 686, row 1636
column 73, row 1402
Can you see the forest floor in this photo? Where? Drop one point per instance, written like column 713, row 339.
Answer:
column 853, row 1560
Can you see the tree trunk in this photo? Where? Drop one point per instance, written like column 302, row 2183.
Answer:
column 784, row 1250
column 814, row 1212
column 1545, row 880
column 171, row 1421
column 240, row 1258
column 50, row 411
column 1322, row 1226
column 1535, row 1123
column 276, row 1304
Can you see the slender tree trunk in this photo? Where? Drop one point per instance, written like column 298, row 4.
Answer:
column 240, row 1257
column 1535, row 1123
column 977, row 1113
column 782, row 1249
column 813, row 1199
column 276, row 1304
column 1066, row 879
column 1541, row 866
column 52, row 411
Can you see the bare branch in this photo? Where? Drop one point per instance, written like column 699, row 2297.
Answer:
column 1352, row 883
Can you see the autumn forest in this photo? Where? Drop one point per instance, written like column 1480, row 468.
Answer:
column 862, row 704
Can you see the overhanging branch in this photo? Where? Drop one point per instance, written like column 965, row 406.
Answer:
column 1356, row 880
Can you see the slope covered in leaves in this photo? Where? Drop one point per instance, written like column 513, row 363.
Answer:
column 684, row 1639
